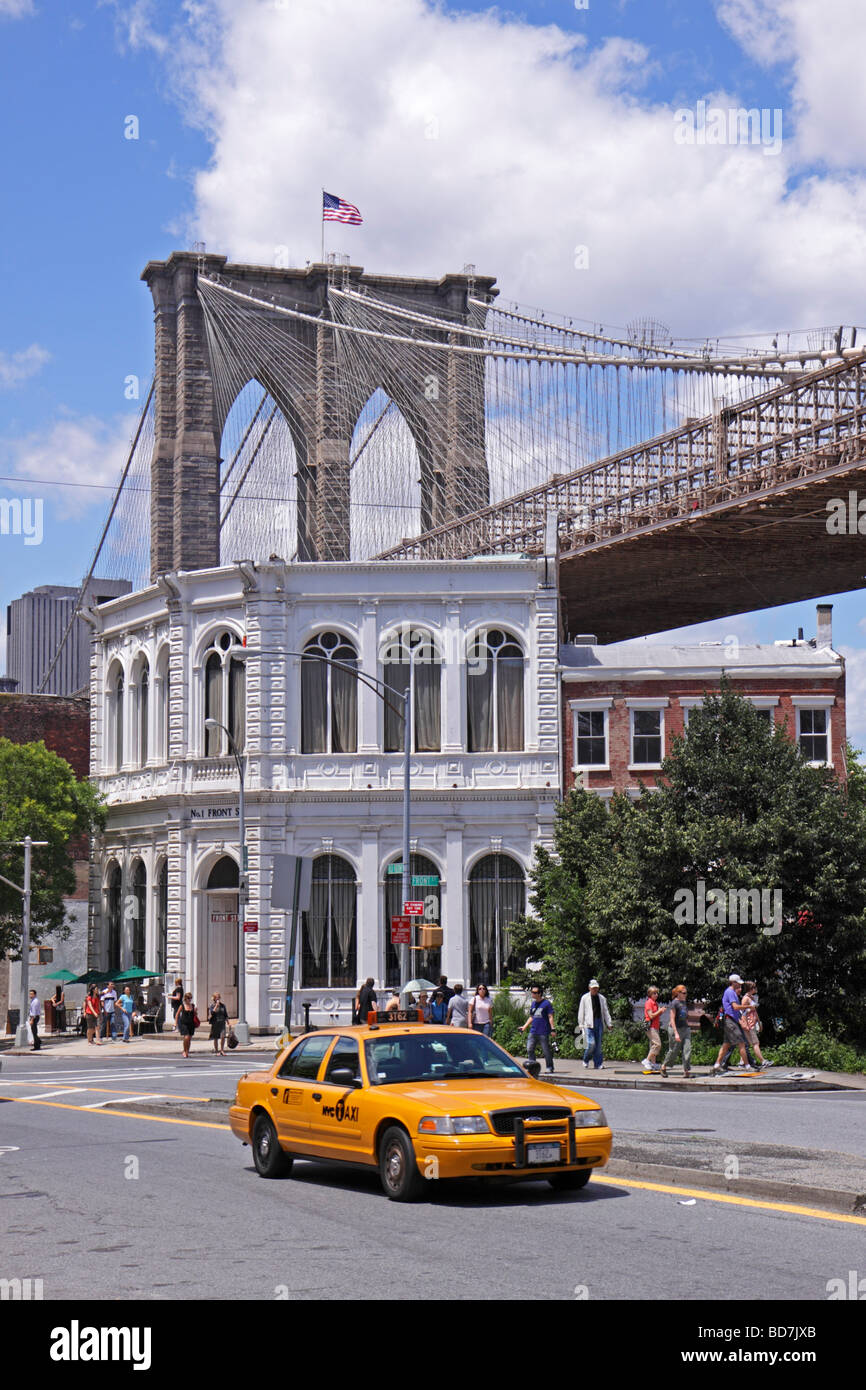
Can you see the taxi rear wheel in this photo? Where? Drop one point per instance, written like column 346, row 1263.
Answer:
column 397, row 1167
column 269, row 1158
column 570, row 1182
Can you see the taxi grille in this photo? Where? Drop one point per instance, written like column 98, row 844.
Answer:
column 503, row 1120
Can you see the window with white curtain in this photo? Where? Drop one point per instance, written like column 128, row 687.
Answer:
column 113, row 917
column 143, row 700
column 329, row 926
column 329, row 695
column 410, row 658
column 494, row 692
column 117, row 711
column 161, row 695
column 224, row 696
column 497, row 897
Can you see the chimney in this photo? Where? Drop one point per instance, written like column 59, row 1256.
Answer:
column 825, row 625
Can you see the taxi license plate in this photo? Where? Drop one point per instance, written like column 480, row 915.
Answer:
column 542, row 1153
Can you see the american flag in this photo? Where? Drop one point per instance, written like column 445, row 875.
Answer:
column 338, row 210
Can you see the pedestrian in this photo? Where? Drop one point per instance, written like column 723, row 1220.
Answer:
column 118, row 1017
column 751, row 1023
column 59, row 1002
column 481, row 1011
column 593, row 1016
column 424, row 1005
column 393, row 1003
column 458, row 1008
column 652, row 1016
column 679, row 1033
column 446, row 990
column 186, row 1021
column 541, row 1025
column 733, row 1032
column 92, row 1010
column 367, row 999
column 439, row 1008
column 127, row 1004
column 176, row 996
column 218, row 1017
column 108, row 998
column 35, row 1014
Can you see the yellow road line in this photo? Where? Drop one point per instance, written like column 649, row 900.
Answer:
column 127, row 1114
column 708, row 1195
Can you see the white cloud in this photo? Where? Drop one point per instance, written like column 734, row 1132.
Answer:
column 16, row 9
column 16, row 367
column 855, row 694
column 823, row 43
column 478, row 137
column 82, row 450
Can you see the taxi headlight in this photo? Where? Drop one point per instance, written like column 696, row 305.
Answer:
column 588, row 1119
column 452, row 1124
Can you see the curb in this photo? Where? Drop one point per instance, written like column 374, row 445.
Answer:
column 834, row 1199
column 638, row 1083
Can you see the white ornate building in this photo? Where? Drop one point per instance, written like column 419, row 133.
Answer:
column 324, row 774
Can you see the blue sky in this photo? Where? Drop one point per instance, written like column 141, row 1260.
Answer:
column 555, row 128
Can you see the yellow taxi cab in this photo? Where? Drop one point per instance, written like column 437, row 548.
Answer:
column 417, row 1102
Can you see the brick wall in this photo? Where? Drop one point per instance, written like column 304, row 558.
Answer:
column 61, row 722
column 618, row 775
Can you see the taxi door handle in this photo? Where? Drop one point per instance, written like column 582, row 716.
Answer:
column 274, row 1091
column 317, row 1095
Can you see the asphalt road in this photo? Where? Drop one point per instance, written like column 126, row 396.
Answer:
column 103, row 1206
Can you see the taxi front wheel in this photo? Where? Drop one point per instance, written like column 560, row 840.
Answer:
column 269, row 1158
column 570, row 1182
column 397, row 1167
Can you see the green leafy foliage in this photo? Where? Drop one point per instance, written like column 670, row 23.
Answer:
column 816, row 1048
column 739, row 809
column 40, row 796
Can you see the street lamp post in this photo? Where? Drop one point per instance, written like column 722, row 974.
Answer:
column 242, row 1028
column 378, row 688
column 21, row 1034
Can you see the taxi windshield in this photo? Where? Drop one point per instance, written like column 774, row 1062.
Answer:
column 436, row 1057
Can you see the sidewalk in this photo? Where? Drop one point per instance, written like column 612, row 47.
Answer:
column 630, row 1076
column 150, row 1045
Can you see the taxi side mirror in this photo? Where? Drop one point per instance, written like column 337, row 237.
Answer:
column 344, row 1076
column 534, row 1069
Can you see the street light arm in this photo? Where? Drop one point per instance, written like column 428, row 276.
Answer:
column 4, row 879
column 372, row 682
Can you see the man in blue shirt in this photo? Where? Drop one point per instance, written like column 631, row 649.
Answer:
column 733, row 1035
column 109, row 999
column 541, row 1025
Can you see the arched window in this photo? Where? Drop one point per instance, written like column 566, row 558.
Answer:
column 162, row 918
column 410, row 657
column 329, row 696
column 497, row 896
column 113, row 917
column 115, row 732
column 224, row 874
column 139, row 921
column 143, row 696
column 224, row 696
column 422, row 963
column 329, row 929
column 494, row 692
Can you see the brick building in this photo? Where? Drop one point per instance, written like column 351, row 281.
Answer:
column 63, row 724
column 623, row 704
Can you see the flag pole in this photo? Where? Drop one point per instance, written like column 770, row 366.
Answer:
column 323, row 226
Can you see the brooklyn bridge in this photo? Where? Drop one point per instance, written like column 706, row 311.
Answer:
column 325, row 413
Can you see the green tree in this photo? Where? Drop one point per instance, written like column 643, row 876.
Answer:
column 40, row 796
column 739, row 809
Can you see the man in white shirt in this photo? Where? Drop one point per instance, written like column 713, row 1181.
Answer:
column 593, row 1016
column 35, row 1015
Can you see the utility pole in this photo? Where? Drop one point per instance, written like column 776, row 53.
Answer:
column 21, row 1036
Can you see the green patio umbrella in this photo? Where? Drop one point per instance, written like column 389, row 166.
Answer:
column 65, row 976
column 93, row 977
column 137, row 973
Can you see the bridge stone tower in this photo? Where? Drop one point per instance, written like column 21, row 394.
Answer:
column 191, row 405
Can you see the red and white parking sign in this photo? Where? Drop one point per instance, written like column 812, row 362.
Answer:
column 413, row 909
column 401, row 931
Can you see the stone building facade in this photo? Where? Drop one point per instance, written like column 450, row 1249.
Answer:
column 324, row 772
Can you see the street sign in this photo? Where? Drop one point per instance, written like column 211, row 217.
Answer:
column 401, row 931
column 251, row 926
column 246, row 858
column 425, row 880
column 413, row 909
column 395, row 868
